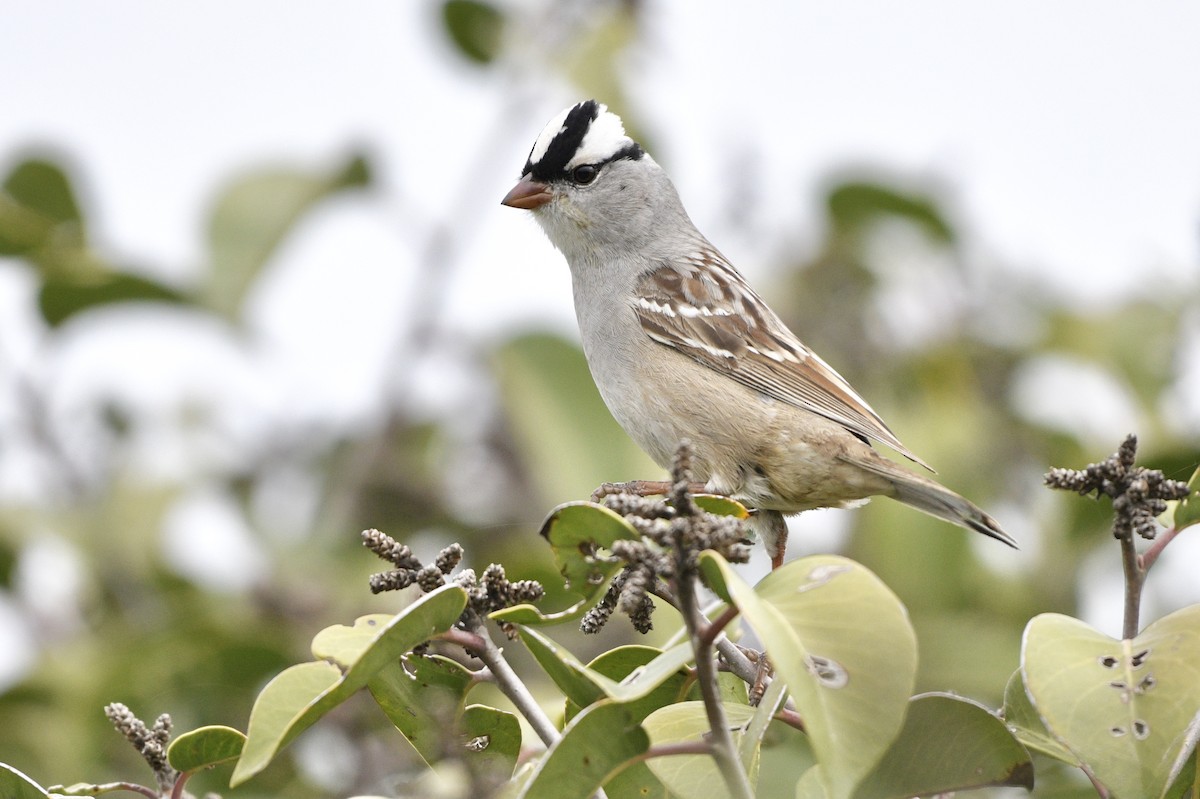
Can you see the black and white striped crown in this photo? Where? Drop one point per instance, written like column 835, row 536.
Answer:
column 586, row 133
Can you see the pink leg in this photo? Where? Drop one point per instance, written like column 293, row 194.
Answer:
column 642, row 488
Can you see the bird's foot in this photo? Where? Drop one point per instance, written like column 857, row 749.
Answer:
column 642, row 488
column 759, row 686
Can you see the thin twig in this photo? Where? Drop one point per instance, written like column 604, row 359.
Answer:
column 511, row 685
column 1147, row 558
column 467, row 640
column 736, row 660
column 709, row 632
column 790, row 718
column 1134, row 580
column 670, row 750
column 721, row 745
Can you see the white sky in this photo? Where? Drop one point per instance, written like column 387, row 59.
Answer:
column 1068, row 130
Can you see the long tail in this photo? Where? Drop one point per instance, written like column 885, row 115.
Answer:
column 935, row 499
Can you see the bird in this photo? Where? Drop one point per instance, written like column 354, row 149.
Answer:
column 681, row 347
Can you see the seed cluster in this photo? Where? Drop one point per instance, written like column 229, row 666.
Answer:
column 151, row 742
column 674, row 531
column 1138, row 494
column 485, row 594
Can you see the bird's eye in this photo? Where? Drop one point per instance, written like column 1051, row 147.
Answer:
column 585, row 174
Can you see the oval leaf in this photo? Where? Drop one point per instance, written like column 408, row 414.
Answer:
column 842, row 641
column 687, row 722
column 575, row 531
column 721, row 505
column 204, row 747
column 948, row 744
column 422, row 695
column 621, row 663
column 474, row 27
column 492, row 738
column 42, row 186
column 294, row 700
column 1028, row 726
column 1124, row 707
column 37, row 204
column 287, row 706
column 596, row 745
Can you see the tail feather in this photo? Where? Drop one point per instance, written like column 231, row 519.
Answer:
column 935, row 499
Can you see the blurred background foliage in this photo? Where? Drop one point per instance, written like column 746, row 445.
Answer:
column 957, row 355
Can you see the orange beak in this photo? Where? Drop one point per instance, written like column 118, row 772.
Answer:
column 528, row 194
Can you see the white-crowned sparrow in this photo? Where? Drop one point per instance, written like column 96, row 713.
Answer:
column 682, row 348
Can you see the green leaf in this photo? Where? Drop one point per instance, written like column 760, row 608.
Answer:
column 948, row 744
column 40, row 220
column 15, row 785
column 1187, row 511
column 475, row 28
column 713, row 569
column 1182, row 777
column 687, row 722
column 812, row 785
column 583, row 685
column 575, row 531
column 37, row 204
column 1028, row 726
column 1126, row 708
column 287, row 705
column 597, row 744
column 205, row 747
column 1183, row 782
column 520, row 781
column 842, row 641
column 721, row 506
column 63, row 295
column 636, row 781
column 492, row 738
column 855, row 205
column 573, row 678
column 530, row 616
column 295, row 699
column 618, row 664
column 254, row 214
column 751, row 745
column 644, row 680
column 422, row 695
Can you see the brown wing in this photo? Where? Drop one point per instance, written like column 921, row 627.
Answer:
column 703, row 308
